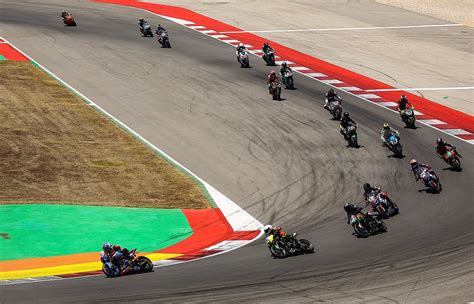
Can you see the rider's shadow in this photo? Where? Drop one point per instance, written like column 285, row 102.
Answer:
column 428, row 190
column 452, row 169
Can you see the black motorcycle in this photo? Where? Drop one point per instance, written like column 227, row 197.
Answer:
column 269, row 57
column 282, row 247
column 164, row 40
column 366, row 225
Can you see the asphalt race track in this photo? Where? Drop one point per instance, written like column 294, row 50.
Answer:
column 283, row 161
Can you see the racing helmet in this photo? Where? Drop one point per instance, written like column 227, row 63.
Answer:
column 141, row 19
column 386, row 126
column 272, row 72
column 403, row 97
column 241, row 45
column 346, row 114
column 349, row 207
column 331, row 91
column 267, row 228
column 439, row 141
column 283, row 64
column 367, row 187
column 413, row 162
column 106, row 247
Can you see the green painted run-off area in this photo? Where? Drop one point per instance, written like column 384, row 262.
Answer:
column 31, row 231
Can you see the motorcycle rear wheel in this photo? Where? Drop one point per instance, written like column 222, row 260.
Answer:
column 278, row 252
column 111, row 272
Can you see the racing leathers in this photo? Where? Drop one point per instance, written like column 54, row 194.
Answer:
column 386, row 133
column 330, row 97
column 271, row 78
column 346, row 121
column 420, row 168
column 118, row 255
column 441, row 149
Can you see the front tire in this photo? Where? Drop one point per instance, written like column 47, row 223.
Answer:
column 278, row 252
column 307, row 246
column 146, row 265
column 361, row 231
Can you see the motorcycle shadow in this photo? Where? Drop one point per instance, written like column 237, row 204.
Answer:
column 428, row 190
column 452, row 169
column 396, row 156
column 366, row 237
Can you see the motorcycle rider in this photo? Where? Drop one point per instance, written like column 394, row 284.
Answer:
column 330, row 97
column 386, row 132
column 267, row 49
column 159, row 30
column 277, row 232
column 346, row 121
column 369, row 191
column 442, row 147
column 418, row 168
column 141, row 23
column 403, row 104
column 65, row 14
column 284, row 69
column 352, row 209
column 271, row 78
column 118, row 255
column 239, row 49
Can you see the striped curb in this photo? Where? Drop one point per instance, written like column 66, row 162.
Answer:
column 242, row 227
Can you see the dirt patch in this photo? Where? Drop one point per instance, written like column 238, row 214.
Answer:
column 56, row 149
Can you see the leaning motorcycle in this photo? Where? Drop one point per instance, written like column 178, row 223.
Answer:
column 164, row 40
column 269, row 58
column 408, row 117
column 365, row 225
column 452, row 158
column 394, row 145
column 146, row 30
column 335, row 108
column 384, row 206
column 243, row 57
column 138, row 264
column 350, row 134
column 431, row 180
column 69, row 20
column 287, row 79
column 275, row 90
column 283, row 247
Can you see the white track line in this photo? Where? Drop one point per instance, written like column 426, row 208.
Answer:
column 421, row 89
column 349, row 28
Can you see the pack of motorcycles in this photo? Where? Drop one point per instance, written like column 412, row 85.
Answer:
column 364, row 224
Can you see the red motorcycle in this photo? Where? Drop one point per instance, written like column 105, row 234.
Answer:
column 451, row 157
column 69, row 20
column 383, row 205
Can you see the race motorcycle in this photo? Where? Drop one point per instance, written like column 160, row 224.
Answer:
column 135, row 264
column 366, row 225
column 69, row 20
column 164, row 40
column 394, row 145
column 350, row 134
column 282, row 247
column 408, row 117
column 275, row 90
column 451, row 157
column 431, row 180
column 243, row 57
column 269, row 58
column 287, row 79
column 335, row 108
column 146, row 30
column 383, row 205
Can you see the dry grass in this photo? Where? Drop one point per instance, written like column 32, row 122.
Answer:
column 56, row 149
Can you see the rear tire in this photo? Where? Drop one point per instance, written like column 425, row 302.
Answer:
column 111, row 272
column 278, row 252
column 455, row 164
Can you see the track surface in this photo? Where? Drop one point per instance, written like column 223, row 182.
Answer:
column 284, row 162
